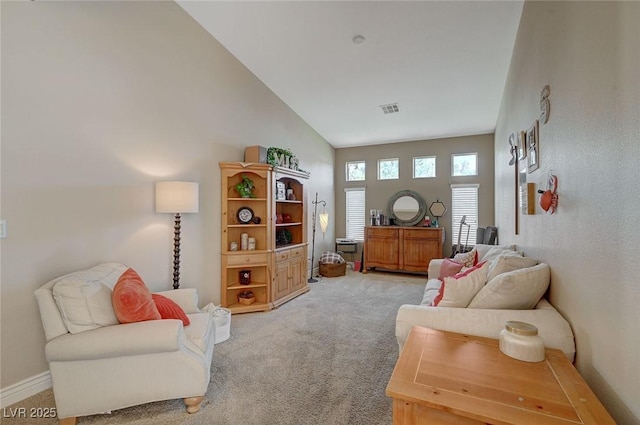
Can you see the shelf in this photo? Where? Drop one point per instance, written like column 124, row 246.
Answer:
column 241, row 308
column 253, row 285
column 297, row 223
column 286, row 201
column 248, row 226
column 289, row 246
column 248, row 199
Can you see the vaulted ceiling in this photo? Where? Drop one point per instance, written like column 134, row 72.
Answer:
column 443, row 64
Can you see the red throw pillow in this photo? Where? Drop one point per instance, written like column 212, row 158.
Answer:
column 169, row 309
column 449, row 268
column 131, row 299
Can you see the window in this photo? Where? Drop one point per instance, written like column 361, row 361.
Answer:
column 356, row 216
column 464, row 202
column 464, row 164
column 388, row 169
column 355, row 171
column 424, row 167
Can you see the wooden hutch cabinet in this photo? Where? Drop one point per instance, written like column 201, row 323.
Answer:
column 271, row 262
column 401, row 248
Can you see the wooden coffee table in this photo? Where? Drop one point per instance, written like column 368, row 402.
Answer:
column 449, row 378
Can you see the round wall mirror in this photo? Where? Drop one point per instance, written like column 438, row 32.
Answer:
column 407, row 208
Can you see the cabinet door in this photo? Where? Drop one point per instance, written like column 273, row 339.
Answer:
column 419, row 247
column 297, row 274
column 282, row 280
column 382, row 247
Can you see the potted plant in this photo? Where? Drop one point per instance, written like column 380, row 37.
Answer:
column 245, row 187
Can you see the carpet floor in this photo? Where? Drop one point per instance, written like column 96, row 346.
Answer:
column 322, row 358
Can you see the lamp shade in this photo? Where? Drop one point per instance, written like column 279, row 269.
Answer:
column 324, row 221
column 177, row 197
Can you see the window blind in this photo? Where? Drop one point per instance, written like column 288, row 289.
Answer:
column 464, row 201
column 355, row 213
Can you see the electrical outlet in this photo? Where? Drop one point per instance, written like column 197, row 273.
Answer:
column 3, row 229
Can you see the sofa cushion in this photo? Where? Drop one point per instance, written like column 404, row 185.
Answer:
column 516, row 290
column 84, row 297
column 431, row 291
column 508, row 262
column 449, row 268
column 132, row 301
column 459, row 290
column 168, row 309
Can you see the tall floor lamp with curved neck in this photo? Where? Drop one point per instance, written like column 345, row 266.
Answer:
column 324, row 222
column 177, row 198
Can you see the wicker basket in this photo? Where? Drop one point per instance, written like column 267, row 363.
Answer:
column 333, row 270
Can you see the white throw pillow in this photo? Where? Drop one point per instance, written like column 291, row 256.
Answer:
column 483, row 249
column 84, row 297
column 507, row 263
column 431, row 291
column 494, row 253
column 516, row 290
column 459, row 290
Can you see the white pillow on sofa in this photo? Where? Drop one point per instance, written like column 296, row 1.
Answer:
column 508, row 262
column 483, row 249
column 516, row 290
column 84, row 297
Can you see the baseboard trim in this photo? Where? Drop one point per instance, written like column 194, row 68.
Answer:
column 25, row 389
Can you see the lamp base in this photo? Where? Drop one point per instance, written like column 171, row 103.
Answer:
column 312, row 280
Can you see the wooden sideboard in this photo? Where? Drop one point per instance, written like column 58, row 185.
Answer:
column 401, row 248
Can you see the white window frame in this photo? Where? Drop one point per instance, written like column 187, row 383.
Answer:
column 397, row 160
column 453, row 155
column 355, row 198
column 346, row 170
column 462, row 194
column 435, row 171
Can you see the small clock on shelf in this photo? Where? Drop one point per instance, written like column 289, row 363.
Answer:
column 245, row 215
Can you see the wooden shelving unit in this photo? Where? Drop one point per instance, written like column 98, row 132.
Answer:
column 278, row 265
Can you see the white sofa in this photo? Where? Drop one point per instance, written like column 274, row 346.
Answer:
column 488, row 322
column 104, row 366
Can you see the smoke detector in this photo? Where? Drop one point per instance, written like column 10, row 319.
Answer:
column 391, row 108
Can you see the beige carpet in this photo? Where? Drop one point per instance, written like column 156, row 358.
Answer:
column 323, row 358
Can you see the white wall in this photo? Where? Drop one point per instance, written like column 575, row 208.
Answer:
column 99, row 101
column 589, row 54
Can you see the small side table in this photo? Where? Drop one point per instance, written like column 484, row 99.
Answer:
column 446, row 378
column 347, row 246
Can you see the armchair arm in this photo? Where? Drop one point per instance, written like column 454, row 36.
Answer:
column 152, row 336
column 186, row 298
column 434, row 268
column 552, row 327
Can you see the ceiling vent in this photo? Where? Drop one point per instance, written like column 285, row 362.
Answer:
column 391, row 108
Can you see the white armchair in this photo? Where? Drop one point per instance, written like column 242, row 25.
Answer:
column 114, row 366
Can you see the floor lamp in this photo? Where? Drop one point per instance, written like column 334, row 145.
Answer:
column 177, row 198
column 324, row 222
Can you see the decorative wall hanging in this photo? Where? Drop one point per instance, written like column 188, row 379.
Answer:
column 522, row 145
column 549, row 197
column 533, row 159
column 513, row 148
column 545, row 105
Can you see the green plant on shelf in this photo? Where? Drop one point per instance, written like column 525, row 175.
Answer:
column 245, row 187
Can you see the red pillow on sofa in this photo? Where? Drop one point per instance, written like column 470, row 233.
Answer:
column 169, row 309
column 449, row 268
column 131, row 299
